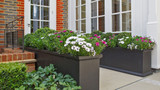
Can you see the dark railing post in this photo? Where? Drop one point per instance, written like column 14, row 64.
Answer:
column 22, row 33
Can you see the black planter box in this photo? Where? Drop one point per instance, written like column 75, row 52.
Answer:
column 134, row 62
column 84, row 69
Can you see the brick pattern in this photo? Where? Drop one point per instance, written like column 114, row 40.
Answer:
column 15, row 55
column 9, row 9
column 62, row 14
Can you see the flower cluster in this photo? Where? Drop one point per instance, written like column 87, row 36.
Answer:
column 136, row 42
column 78, row 45
column 125, row 41
column 99, row 37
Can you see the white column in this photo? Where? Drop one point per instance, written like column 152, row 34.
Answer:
column 153, row 30
column 72, row 15
column 139, row 17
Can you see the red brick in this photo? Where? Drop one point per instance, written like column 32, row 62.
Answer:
column 10, row 57
column 4, row 58
column 20, row 56
column 0, row 57
column 15, row 57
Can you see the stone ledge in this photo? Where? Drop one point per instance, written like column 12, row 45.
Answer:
column 23, row 61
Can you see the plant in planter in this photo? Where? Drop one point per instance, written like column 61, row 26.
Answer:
column 75, row 55
column 133, row 55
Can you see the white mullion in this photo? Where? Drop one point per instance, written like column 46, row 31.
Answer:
column 40, row 15
column 80, row 17
column 108, row 16
column 97, row 16
column 88, row 16
column 120, row 15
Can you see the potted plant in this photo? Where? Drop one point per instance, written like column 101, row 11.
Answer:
column 128, row 54
column 78, row 56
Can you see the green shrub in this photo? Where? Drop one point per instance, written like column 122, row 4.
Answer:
column 27, row 39
column 123, row 34
column 125, row 41
column 12, row 75
column 42, row 32
column 112, row 41
column 48, row 79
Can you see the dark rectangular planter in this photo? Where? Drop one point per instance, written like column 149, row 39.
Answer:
column 84, row 69
column 134, row 62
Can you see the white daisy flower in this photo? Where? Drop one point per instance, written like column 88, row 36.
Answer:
column 89, row 45
column 42, row 37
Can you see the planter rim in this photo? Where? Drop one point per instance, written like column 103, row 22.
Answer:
column 80, row 58
column 131, row 50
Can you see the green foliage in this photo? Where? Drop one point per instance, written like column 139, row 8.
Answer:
column 112, row 41
column 123, row 34
column 141, row 43
column 48, row 79
column 12, row 75
column 125, row 41
column 27, row 39
column 42, row 32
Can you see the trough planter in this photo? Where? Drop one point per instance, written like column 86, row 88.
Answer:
column 134, row 62
column 84, row 69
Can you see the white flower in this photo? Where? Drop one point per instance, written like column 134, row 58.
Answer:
column 94, row 53
column 83, row 46
column 77, row 49
column 67, row 42
column 42, row 37
column 89, row 45
column 73, row 47
column 120, row 39
column 87, row 49
column 65, row 45
column 80, row 43
column 104, row 39
column 127, row 37
column 122, row 42
column 73, row 42
column 136, row 46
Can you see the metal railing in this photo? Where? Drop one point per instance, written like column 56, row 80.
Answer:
column 14, row 32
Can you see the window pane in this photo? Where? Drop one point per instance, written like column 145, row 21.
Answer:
column 44, row 24
column 44, row 13
column 77, row 13
column 83, row 1
column 77, row 2
column 35, row 2
column 94, row 9
column 35, row 12
column 94, row 24
column 126, row 22
column 101, row 7
column 115, row 6
column 83, row 12
column 78, row 26
column 102, row 24
column 34, row 26
column 115, row 23
column 45, row 2
column 83, row 26
column 126, row 5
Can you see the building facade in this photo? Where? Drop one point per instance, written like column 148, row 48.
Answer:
column 139, row 17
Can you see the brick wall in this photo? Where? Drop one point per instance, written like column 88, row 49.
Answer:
column 8, row 10
column 62, row 14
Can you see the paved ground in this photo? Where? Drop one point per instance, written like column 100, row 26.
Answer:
column 113, row 80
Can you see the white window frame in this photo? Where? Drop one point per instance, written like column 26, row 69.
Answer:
column 108, row 16
column 27, row 13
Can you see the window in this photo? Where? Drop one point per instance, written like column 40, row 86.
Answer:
column 81, row 16
column 39, row 14
column 103, row 15
column 121, row 15
column 98, row 15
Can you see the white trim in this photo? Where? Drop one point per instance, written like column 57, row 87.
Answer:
column 72, row 15
column 52, row 16
column 26, row 17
